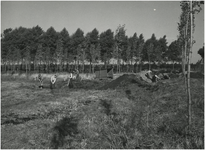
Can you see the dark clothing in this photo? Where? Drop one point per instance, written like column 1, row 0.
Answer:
column 154, row 78
column 52, row 86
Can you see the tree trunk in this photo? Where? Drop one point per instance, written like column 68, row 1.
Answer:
column 185, row 52
column 149, row 63
column 118, row 60
column 90, row 67
column 132, row 67
column 47, row 66
column 26, row 69
column 12, row 65
column 83, row 64
column 106, row 64
column 18, row 63
column 75, row 64
column 188, row 74
column 40, row 67
column 5, row 66
column 173, row 66
column 183, row 60
column 140, row 64
column 93, row 67
column 34, row 66
column 137, row 67
column 119, row 66
column 127, row 67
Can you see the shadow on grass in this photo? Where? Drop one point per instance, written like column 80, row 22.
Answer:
column 66, row 126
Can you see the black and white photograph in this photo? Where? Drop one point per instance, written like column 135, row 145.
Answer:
column 102, row 74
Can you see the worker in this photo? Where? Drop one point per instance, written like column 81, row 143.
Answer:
column 149, row 74
column 70, row 77
column 40, row 79
column 155, row 78
column 53, row 81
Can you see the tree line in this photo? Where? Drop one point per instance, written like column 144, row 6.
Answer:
column 34, row 47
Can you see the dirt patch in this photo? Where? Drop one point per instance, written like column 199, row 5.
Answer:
column 107, row 106
column 128, row 79
column 15, row 119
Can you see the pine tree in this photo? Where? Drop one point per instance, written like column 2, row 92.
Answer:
column 174, row 53
column 76, row 40
column 119, row 39
column 140, row 46
column 27, row 59
column 150, row 51
column 106, row 41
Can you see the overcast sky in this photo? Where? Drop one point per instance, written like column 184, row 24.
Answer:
column 142, row 17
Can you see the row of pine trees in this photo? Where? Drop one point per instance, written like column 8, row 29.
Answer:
column 33, row 46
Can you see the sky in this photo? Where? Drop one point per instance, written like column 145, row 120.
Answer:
column 142, row 17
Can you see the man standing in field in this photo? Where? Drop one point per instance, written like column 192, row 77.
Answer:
column 69, row 79
column 53, row 81
column 40, row 79
column 77, row 75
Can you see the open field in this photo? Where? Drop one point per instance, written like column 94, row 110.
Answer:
column 121, row 113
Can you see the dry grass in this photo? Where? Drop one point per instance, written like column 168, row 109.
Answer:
column 135, row 115
column 84, row 76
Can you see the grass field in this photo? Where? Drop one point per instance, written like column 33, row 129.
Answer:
column 131, row 114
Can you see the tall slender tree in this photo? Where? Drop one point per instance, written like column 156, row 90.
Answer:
column 119, row 40
column 134, row 51
column 140, row 46
column 76, row 40
column 186, row 29
column 28, row 60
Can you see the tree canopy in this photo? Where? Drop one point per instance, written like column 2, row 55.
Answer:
column 51, row 46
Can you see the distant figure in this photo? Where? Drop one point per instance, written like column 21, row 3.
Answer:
column 149, row 74
column 53, row 81
column 155, row 78
column 70, row 77
column 13, row 72
column 166, row 76
column 77, row 76
column 76, row 71
column 40, row 79
column 161, row 76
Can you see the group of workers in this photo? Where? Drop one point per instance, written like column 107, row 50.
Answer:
column 75, row 74
column 54, row 78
